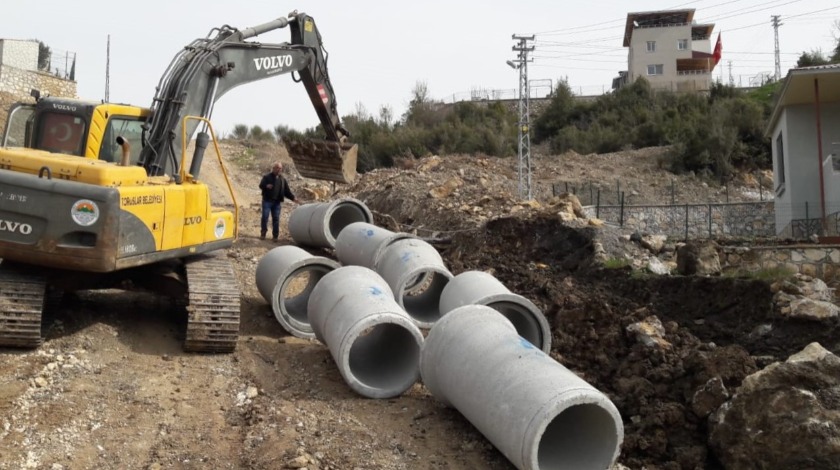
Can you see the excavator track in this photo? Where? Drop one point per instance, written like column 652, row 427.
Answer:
column 22, row 298
column 213, row 305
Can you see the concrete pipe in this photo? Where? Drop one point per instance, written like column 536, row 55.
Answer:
column 318, row 223
column 286, row 276
column 480, row 288
column 539, row 414
column 416, row 273
column 374, row 343
column 362, row 244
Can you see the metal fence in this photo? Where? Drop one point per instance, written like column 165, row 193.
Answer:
column 807, row 219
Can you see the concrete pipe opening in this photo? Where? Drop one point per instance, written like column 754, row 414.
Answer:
column 581, row 437
column 293, row 297
column 385, row 359
column 346, row 213
column 420, row 295
column 526, row 323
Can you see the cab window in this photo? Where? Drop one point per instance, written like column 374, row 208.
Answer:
column 127, row 127
column 61, row 133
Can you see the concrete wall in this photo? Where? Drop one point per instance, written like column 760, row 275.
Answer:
column 19, row 54
column 666, row 52
column 750, row 219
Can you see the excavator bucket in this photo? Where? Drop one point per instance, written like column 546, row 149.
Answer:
column 323, row 160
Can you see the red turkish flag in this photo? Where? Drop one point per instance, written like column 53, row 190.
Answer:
column 718, row 50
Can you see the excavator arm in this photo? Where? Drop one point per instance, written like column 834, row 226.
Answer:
column 209, row 67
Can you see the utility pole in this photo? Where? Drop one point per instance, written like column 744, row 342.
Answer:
column 731, row 80
column 776, row 23
column 524, row 113
column 108, row 70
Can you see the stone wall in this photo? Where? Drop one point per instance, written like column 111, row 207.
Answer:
column 16, row 83
column 746, row 219
column 820, row 261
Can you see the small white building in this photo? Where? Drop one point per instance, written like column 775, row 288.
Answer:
column 805, row 132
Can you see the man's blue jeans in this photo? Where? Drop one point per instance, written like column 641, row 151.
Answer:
column 273, row 208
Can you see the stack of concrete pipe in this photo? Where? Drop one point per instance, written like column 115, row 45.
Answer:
column 485, row 355
column 318, row 224
column 536, row 412
column 374, row 343
column 480, row 288
column 278, row 271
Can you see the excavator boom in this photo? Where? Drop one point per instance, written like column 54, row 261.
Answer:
column 210, row 67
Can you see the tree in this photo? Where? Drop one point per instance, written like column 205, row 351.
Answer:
column 386, row 116
column 557, row 114
column 420, row 107
column 240, row 131
column 44, row 54
column 808, row 59
column 73, row 69
column 835, row 58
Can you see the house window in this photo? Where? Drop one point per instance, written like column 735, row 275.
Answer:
column 780, row 165
column 651, row 46
column 682, row 44
column 654, row 69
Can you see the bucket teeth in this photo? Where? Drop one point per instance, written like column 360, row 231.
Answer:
column 323, row 159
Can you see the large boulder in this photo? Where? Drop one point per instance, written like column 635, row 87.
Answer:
column 698, row 258
column 785, row 416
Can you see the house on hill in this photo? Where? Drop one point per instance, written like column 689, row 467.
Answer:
column 669, row 49
column 805, row 132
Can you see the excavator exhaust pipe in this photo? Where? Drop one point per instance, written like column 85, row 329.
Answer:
column 323, row 160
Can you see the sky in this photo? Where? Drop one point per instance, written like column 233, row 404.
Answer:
column 380, row 51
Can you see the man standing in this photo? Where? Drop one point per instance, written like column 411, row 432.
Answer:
column 275, row 189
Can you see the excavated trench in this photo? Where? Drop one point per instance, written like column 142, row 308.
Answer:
column 715, row 327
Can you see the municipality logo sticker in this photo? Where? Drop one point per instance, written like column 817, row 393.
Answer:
column 85, row 212
column 220, row 228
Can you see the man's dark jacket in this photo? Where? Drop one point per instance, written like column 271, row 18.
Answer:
column 279, row 192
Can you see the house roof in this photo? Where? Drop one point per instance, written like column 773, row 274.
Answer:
column 799, row 89
column 656, row 18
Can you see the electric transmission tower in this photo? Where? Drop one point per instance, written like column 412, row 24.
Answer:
column 776, row 23
column 521, row 63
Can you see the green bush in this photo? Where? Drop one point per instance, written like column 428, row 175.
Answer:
column 712, row 133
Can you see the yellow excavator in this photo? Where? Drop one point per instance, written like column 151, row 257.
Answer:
column 101, row 195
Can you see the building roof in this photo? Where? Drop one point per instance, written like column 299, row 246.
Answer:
column 799, row 88
column 648, row 19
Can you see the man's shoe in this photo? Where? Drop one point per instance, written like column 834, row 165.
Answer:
column 262, row 236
